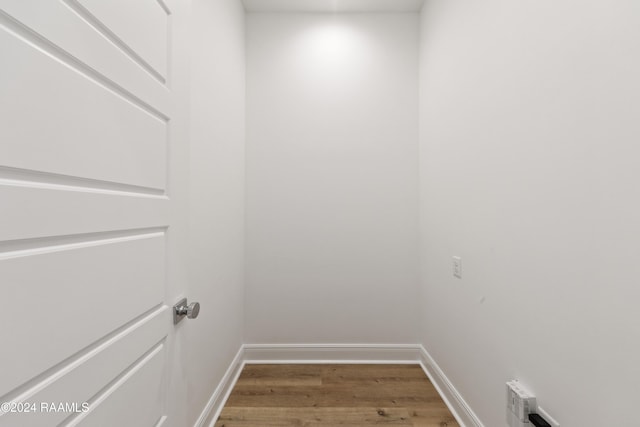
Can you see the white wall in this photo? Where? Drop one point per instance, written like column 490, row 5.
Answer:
column 332, row 178
column 217, row 195
column 529, row 171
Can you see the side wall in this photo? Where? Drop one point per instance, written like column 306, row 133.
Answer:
column 217, row 195
column 529, row 171
column 332, row 131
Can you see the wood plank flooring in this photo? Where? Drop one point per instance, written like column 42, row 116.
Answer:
column 334, row 395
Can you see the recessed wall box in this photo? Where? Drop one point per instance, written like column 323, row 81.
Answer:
column 520, row 403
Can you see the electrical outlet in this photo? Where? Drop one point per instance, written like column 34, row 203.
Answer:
column 457, row 267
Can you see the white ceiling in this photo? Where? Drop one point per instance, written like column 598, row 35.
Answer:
column 333, row 5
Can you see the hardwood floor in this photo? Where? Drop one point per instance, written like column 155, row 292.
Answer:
column 334, row 395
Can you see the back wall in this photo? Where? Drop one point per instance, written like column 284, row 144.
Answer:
column 332, row 178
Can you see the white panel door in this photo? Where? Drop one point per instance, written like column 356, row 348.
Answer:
column 93, row 187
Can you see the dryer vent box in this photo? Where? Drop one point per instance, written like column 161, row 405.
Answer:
column 520, row 403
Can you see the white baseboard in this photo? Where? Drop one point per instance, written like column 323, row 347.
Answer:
column 331, row 353
column 457, row 405
column 338, row 353
column 220, row 395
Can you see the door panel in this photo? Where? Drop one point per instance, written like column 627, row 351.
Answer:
column 141, row 25
column 74, row 287
column 59, row 121
column 113, row 407
column 34, row 207
column 93, row 184
column 97, row 366
column 87, row 45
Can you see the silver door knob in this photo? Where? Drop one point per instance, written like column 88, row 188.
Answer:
column 192, row 310
column 182, row 310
